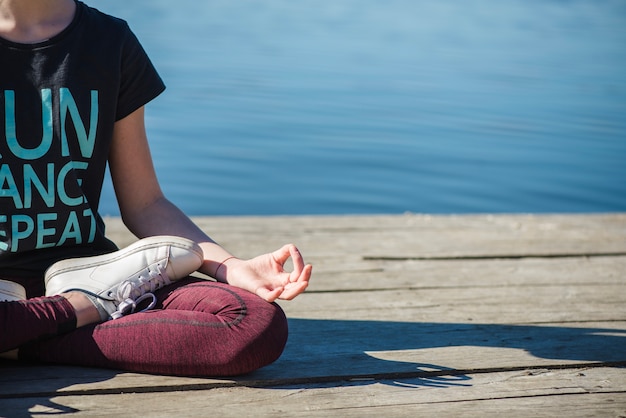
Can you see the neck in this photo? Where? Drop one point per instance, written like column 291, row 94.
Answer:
column 31, row 21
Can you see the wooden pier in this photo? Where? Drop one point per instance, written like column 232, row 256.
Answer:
column 407, row 315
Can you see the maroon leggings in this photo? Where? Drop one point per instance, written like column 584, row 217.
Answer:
column 198, row 328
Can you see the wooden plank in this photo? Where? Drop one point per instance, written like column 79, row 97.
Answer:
column 327, row 348
column 413, row 235
column 434, row 236
column 353, row 274
column 18, row 380
column 497, row 304
column 573, row 393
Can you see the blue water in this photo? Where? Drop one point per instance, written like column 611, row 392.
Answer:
column 386, row 106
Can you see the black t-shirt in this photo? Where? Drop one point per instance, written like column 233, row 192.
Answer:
column 59, row 100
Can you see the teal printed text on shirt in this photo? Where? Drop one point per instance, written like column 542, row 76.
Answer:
column 42, row 181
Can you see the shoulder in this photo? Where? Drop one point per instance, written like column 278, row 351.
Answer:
column 101, row 22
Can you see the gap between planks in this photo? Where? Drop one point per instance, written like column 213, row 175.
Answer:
column 494, row 256
column 277, row 383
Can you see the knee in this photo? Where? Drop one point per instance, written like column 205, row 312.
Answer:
column 263, row 337
column 240, row 332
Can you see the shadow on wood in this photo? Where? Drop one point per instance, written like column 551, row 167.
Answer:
column 339, row 350
column 25, row 385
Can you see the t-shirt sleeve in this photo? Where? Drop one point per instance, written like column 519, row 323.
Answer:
column 140, row 82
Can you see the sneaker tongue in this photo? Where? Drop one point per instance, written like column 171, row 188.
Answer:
column 152, row 278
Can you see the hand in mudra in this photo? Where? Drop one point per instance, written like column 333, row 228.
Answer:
column 266, row 276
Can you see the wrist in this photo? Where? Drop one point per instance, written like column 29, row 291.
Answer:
column 221, row 270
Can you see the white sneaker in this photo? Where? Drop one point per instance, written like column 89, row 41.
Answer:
column 118, row 281
column 10, row 292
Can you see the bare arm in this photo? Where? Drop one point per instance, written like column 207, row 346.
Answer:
column 147, row 212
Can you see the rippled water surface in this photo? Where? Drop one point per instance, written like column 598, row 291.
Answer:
column 386, row 106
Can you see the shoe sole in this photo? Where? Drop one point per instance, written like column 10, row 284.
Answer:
column 87, row 263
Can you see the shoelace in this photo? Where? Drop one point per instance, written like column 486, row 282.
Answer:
column 132, row 292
